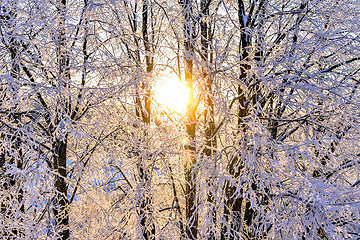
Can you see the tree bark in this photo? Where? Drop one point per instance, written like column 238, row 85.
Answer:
column 61, row 203
column 209, row 122
column 146, row 222
column 190, row 149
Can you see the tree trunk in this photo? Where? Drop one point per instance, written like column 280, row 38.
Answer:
column 146, row 222
column 12, row 207
column 61, row 208
column 190, row 149
column 61, row 203
column 210, row 142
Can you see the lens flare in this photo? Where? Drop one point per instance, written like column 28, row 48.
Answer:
column 173, row 94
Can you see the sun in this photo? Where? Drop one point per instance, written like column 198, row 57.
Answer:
column 172, row 94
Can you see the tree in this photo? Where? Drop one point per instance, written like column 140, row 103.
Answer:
column 52, row 60
column 11, row 155
column 264, row 102
column 190, row 125
column 266, row 149
column 279, row 90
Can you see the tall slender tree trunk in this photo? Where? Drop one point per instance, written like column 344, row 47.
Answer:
column 208, row 79
column 146, row 222
column 12, row 207
column 209, row 122
column 61, row 203
column 190, row 149
column 237, row 208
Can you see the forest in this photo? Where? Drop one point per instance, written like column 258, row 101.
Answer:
column 180, row 119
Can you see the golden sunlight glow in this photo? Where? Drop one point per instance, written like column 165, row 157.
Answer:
column 173, row 94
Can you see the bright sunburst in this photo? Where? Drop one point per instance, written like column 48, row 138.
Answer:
column 173, row 94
